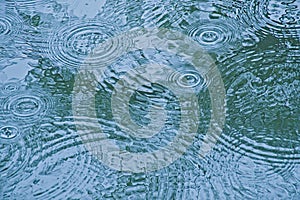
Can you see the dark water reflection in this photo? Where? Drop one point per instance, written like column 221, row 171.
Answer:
column 256, row 47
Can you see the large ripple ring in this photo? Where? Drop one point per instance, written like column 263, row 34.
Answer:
column 85, row 88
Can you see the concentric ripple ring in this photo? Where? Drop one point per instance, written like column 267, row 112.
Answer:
column 280, row 18
column 215, row 34
column 23, row 106
column 10, row 24
column 71, row 44
column 84, row 91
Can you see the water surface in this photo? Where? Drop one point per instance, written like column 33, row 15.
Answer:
column 254, row 46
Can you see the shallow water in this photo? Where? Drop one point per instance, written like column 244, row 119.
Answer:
column 149, row 100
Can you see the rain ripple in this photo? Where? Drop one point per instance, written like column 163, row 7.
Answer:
column 10, row 24
column 244, row 177
column 57, row 166
column 71, row 43
column 9, row 87
column 24, row 106
column 263, row 109
column 216, row 34
column 26, row 4
column 8, row 132
column 15, row 151
column 281, row 18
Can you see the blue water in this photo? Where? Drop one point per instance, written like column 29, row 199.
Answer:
column 149, row 99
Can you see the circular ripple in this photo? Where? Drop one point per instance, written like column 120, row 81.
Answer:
column 190, row 79
column 155, row 39
column 27, row 4
column 10, row 24
column 14, row 151
column 4, row 26
column 146, row 97
column 244, row 175
column 8, row 132
column 215, row 33
column 9, row 88
column 263, row 109
column 278, row 17
column 58, row 165
column 71, row 44
column 26, row 106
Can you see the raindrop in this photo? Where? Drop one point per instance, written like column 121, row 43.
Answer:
column 189, row 79
column 8, row 132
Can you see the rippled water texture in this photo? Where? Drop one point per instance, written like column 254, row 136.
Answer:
column 149, row 99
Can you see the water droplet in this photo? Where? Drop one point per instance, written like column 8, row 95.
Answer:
column 209, row 36
column 8, row 132
column 189, row 79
